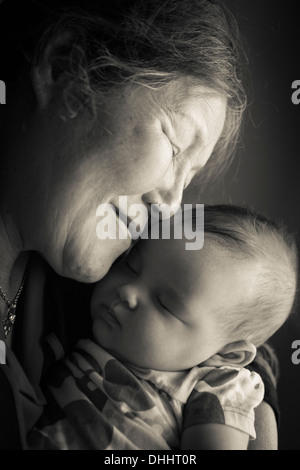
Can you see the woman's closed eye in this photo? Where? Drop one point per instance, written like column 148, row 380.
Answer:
column 176, row 149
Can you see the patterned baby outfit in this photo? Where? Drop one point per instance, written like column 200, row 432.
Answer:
column 97, row 402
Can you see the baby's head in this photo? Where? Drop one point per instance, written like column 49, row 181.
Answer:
column 166, row 308
column 271, row 251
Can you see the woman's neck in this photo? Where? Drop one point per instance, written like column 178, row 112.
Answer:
column 12, row 259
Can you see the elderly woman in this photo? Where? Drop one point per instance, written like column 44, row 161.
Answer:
column 105, row 98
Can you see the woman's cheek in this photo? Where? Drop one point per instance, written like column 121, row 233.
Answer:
column 142, row 169
column 86, row 257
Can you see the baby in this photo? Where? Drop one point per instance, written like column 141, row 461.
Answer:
column 172, row 333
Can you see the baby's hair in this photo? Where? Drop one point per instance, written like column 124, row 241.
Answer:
column 245, row 234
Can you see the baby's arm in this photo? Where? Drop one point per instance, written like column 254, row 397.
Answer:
column 219, row 413
column 213, row 436
column 266, row 429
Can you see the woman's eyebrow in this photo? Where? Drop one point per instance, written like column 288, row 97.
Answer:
column 194, row 124
column 186, row 116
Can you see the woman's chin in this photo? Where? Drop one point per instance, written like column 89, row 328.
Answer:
column 92, row 264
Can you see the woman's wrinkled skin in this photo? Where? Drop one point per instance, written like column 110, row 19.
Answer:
column 146, row 144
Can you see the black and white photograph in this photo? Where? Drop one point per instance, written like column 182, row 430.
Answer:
column 149, row 228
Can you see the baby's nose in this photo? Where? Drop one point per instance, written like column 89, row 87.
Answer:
column 128, row 295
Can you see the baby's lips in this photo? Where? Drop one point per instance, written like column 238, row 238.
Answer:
column 115, row 310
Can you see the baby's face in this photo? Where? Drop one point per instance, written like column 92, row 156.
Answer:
column 158, row 307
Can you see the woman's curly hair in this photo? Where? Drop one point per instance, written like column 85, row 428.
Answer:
column 146, row 42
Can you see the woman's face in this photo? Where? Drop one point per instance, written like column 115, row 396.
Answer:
column 146, row 145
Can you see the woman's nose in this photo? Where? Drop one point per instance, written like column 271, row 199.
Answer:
column 128, row 295
column 166, row 194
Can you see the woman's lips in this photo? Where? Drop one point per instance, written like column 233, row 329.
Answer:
column 129, row 225
column 124, row 231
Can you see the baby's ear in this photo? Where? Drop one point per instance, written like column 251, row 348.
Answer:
column 237, row 354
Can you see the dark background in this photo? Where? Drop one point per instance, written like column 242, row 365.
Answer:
column 265, row 174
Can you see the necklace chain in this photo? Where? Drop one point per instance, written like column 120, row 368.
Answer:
column 8, row 321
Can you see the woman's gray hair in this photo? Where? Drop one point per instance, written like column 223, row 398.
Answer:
column 147, row 42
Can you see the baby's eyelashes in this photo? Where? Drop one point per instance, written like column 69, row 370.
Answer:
column 133, row 261
column 161, row 304
column 131, row 267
